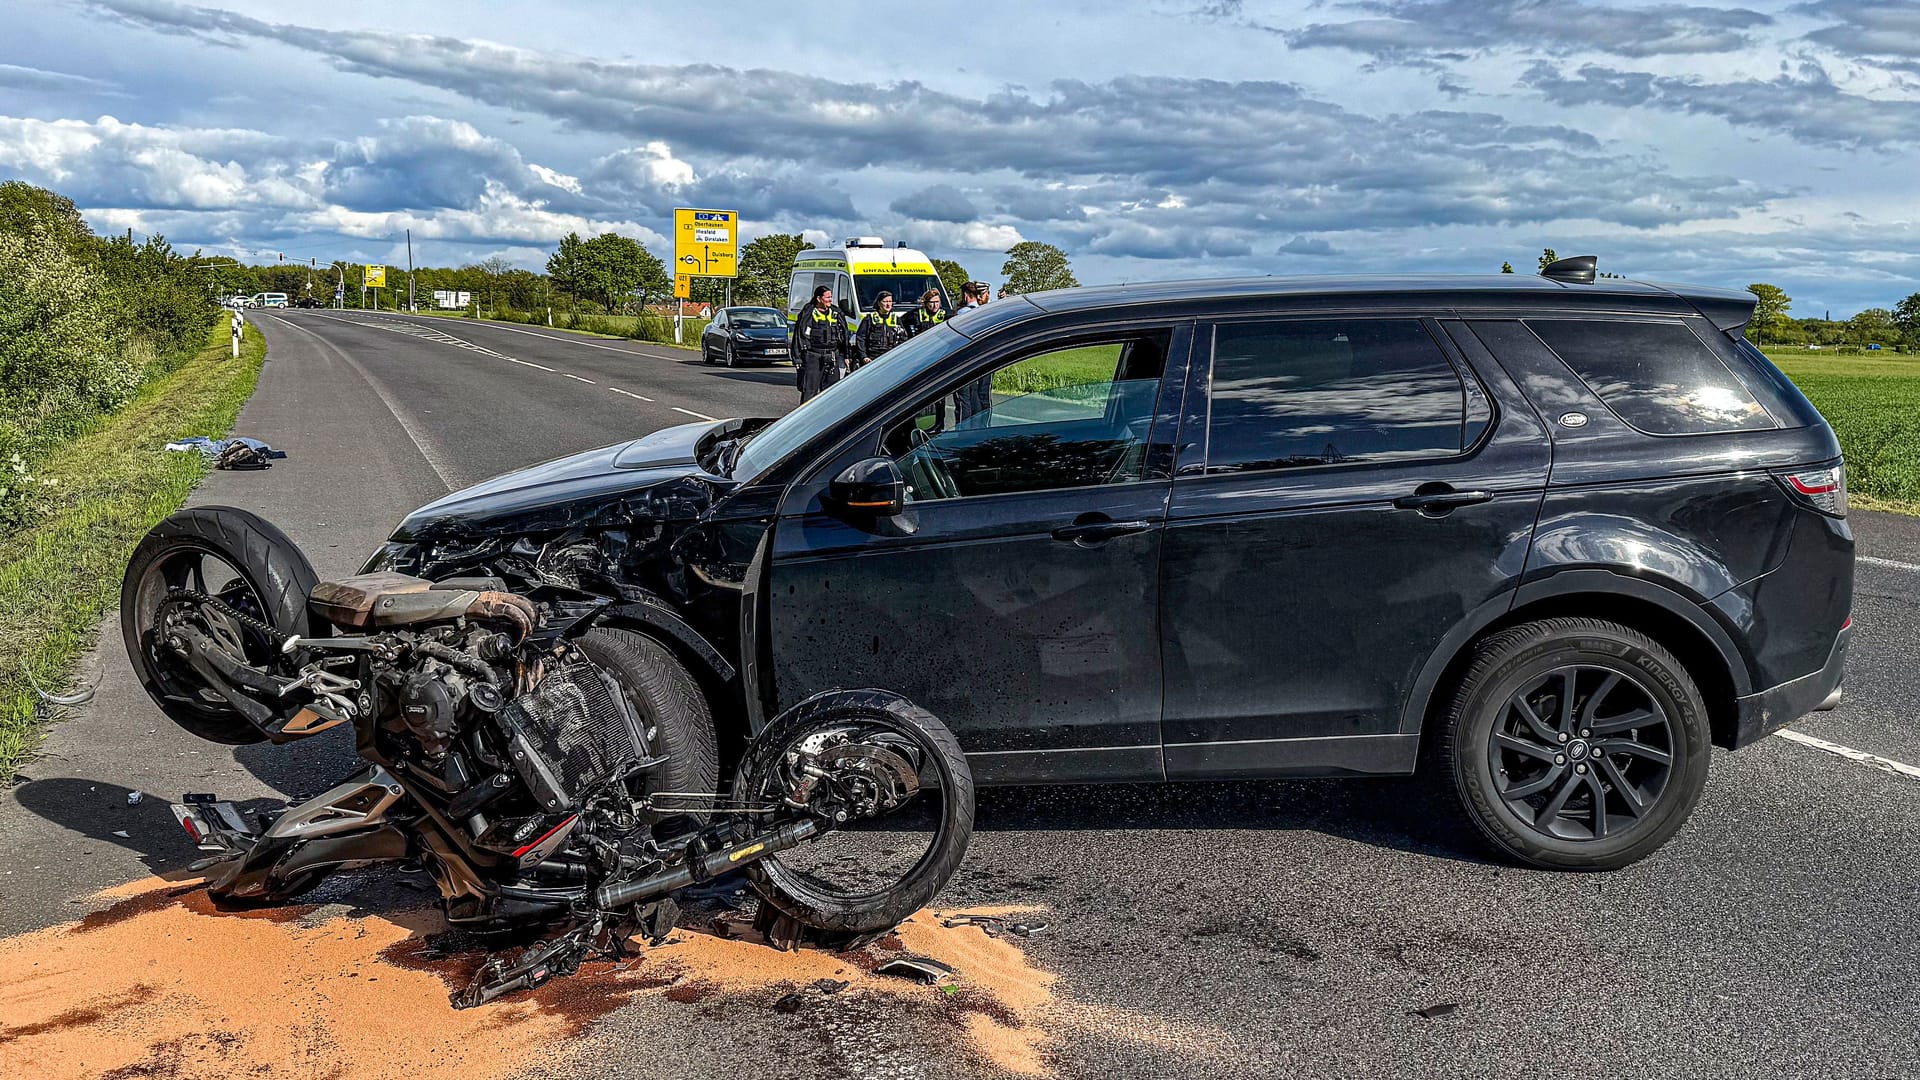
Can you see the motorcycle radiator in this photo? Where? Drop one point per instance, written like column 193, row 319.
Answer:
column 572, row 733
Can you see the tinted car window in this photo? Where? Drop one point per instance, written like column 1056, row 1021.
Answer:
column 762, row 317
column 1292, row 393
column 1075, row 416
column 1656, row 375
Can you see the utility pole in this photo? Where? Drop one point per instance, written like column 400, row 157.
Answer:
column 410, row 306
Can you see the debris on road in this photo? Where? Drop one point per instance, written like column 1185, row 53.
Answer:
column 792, row 1003
column 235, row 453
column 830, row 986
column 921, row 969
column 995, row 925
column 133, row 798
column 1435, row 1012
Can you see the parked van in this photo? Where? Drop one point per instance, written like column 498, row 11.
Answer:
column 859, row 272
column 267, row 299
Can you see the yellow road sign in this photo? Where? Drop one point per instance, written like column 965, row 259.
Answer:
column 706, row 243
column 376, row 277
column 682, row 285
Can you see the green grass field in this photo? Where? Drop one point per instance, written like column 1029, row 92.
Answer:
column 1874, row 407
column 60, row 574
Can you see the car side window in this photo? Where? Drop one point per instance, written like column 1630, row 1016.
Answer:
column 1295, row 393
column 1077, row 415
column 719, row 320
column 1656, row 375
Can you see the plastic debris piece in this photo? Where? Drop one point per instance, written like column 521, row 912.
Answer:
column 122, row 833
column 1435, row 1012
column 133, row 798
column 830, row 986
column 921, row 969
column 792, row 1003
column 1026, row 929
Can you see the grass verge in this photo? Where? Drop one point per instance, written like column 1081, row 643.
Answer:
column 61, row 574
column 1874, row 407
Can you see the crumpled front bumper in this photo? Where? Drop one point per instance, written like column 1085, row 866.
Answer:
column 1768, row 711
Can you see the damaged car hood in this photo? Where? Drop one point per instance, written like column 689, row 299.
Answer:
column 655, row 477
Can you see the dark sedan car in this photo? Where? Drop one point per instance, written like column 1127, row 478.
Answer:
column 1545, row 540
column 745, row 335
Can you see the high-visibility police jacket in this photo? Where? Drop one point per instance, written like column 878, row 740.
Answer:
column 921, row 319
column 818, row 330
column 878, row 333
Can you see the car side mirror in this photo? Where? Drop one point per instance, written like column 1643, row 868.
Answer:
column 872, row 487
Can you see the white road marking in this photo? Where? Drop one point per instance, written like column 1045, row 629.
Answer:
column 1893, row 563
column 629, row 393
column 1898, row 768
column 421, row 441
column 574, row 339
column 571, row 375
column 690, row 412
column 531, row 364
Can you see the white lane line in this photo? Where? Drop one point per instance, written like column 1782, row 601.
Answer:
column 629, row 393
column 529, row 363
column 1893, row 563
column 577, row 378
column 690, row 412
column 574, row 339
column 1897, row 768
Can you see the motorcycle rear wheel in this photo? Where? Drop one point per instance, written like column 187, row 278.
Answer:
column 784, row 880
column 267, row 575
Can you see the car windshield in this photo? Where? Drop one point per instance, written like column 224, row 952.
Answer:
column 756, row 317
column 834, row 405
column 906, row 289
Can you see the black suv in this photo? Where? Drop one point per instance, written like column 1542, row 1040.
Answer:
column 1543, row 539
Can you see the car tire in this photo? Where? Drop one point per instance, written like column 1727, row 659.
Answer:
column 1573, row 744
column 670, row 703
column 706, row 354
column 732, row 361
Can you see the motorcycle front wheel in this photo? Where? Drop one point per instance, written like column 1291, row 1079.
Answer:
column 866, row 875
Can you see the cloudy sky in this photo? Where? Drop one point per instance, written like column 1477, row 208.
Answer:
column 1720, row 144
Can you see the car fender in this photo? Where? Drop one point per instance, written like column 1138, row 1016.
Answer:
column 655, row 617
column 1669, row 597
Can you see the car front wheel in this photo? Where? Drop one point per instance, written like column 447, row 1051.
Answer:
column 1574, row 744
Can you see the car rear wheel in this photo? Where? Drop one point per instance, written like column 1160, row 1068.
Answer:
column 1574, row 744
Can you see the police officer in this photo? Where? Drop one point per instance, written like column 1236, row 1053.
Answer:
column 880, row 329
column 928, row 315
column 820, row 343
column 975, row 397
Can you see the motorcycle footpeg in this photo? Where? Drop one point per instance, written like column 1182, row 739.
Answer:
column 214, row 825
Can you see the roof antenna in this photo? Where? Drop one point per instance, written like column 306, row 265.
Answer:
column 1577, row 270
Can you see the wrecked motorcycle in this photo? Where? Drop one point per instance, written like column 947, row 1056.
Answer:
column 519, row 747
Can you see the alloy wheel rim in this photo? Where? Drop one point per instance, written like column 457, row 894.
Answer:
column 1582, row 753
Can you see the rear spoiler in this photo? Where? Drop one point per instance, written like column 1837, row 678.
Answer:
column 1727, row 309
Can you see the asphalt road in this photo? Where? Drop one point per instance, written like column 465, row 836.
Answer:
column 1248, row 929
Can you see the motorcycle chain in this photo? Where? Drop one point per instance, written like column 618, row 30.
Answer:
column 272, row 634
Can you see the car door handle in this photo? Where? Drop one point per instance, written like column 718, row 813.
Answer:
column 1097, row 532
column 1439, row 502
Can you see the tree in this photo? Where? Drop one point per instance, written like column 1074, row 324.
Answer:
column 952, row 275
column 616, row 266
column 1906, row 316
column 1872, row 326
column 766, row 264
column 1547, row 257
column 1506, row 268
column 1032, row 266
column 565, row 267
column 494, row 267
column 1770, row 308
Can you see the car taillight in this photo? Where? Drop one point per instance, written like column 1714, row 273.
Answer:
column 1823, row 489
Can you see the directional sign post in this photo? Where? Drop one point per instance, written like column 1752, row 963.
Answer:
column 706, row 243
